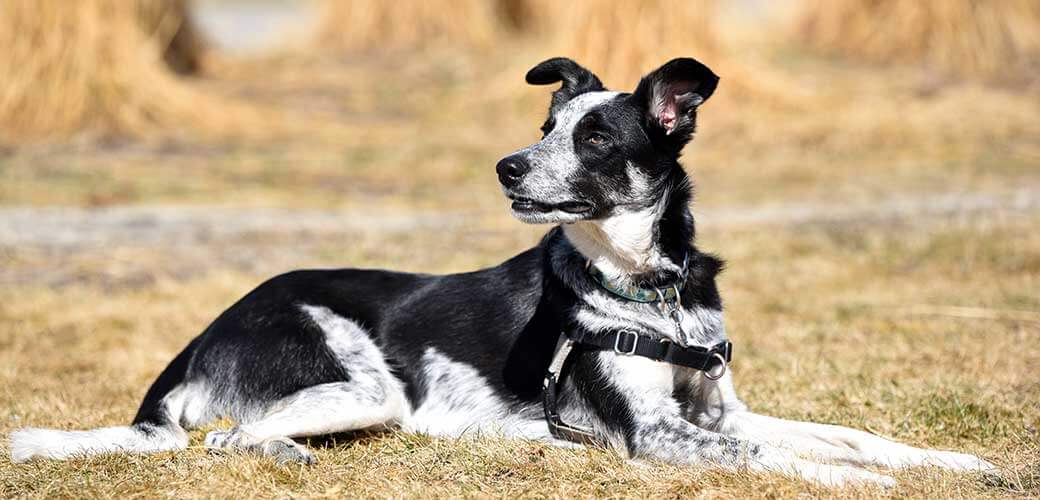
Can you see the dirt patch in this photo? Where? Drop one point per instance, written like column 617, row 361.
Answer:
column 132, row 246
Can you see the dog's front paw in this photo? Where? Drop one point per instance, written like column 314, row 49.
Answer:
column 959, row 462
column 824, row 474
column 839, row 475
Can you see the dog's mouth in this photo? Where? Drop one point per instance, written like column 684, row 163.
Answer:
column 529, row 206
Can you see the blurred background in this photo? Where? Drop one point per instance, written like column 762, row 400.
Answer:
column 150, row 109
column 877, row 159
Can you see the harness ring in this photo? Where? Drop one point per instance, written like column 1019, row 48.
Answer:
column 722, row 368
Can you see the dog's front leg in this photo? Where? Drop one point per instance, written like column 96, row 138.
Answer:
column 670, row 438
column 846, row 445
column 637, row 398
column 714, row 405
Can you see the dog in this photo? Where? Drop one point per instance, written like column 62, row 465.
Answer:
column 609, row 331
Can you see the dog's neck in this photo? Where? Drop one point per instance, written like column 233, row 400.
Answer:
column 640, row 245
column 621, row 245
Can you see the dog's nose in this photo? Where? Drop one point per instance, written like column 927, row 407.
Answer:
column 511, row 169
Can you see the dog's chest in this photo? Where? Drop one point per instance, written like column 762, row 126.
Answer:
column 641, row 375
column 702, row 326
column 697, row 325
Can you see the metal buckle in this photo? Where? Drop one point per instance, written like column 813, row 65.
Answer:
column 617, row 342
column 722, row 368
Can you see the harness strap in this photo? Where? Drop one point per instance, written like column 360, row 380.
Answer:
column 712, row 360
column 557, row 427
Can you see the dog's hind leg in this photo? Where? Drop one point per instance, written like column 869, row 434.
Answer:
column 372, row 397
column 315, row 411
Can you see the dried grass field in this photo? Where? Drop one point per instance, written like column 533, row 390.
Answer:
column 880, row 223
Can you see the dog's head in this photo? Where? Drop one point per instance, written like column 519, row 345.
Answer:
column 604, row 152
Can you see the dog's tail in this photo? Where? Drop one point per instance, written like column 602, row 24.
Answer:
column 58, row 445
column 155, row 428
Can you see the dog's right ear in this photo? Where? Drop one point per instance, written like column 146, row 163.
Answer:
column 671, row 95
column 576, row 79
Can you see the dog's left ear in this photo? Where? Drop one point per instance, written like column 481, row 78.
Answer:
column 671, row 95
column 576, row 79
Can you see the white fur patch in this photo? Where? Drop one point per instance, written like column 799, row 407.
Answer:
column 189, row 404
column 357, row 353
column 624, row 243
column 372, row 396
column 638, row 375
column 459, row 401
column 620, row 244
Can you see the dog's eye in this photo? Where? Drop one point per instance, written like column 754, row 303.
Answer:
column 596, row 139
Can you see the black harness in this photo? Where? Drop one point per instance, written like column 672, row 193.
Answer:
column 711, row 360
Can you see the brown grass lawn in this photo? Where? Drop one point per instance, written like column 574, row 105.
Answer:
column 883, row 270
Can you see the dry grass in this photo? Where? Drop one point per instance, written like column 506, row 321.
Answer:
column 623, row 40
column 996, row 41
column 179, row 39
column 103, row 67
column 410, row 24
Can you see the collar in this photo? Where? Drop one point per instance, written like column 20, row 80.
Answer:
column 634, row 293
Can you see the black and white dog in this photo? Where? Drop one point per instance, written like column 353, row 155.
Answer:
column 640, row 365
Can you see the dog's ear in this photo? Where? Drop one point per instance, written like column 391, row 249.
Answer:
column 576, row 79
column 671, row 95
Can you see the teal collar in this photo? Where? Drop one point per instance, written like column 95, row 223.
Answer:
column 639, row 294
